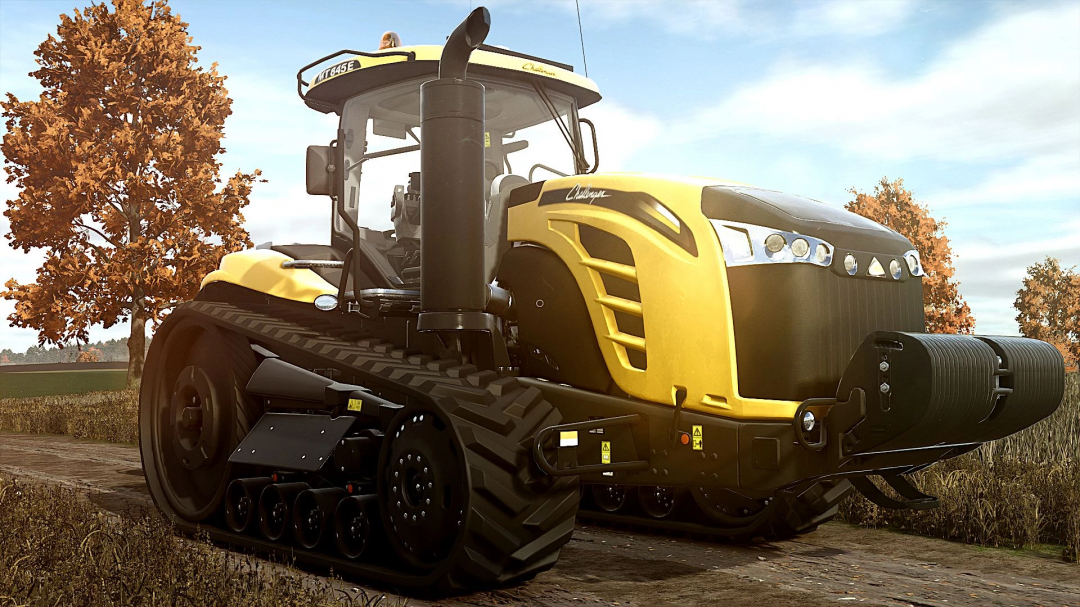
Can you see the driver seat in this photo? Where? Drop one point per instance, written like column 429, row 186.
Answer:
column 495, row 243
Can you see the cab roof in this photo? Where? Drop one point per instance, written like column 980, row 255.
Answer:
column 362, row 72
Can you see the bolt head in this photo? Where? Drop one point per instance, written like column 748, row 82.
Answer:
column 884, row 366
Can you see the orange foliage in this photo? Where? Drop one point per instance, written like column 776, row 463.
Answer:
column 1049, row 307
column 893, row 206
column 89, row 356
column 117, row 168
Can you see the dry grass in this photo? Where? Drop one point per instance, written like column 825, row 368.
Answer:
column 54, row 550
column 1018, row 492
column 106, row 416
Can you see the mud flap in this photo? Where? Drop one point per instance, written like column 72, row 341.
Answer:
column 292, row 441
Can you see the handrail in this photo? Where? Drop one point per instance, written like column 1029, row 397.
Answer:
column 300, row 82
column 607, row 422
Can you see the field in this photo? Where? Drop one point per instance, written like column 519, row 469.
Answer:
column 45, row 383
column 104, row 416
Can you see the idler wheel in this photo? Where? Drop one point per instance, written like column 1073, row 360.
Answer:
column 193, row 411
column 728, row 508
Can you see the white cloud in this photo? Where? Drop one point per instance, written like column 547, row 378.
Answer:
column 1051, row 177
column 1010, row 90
column 621, row 134
column 990, row 274
column 850, row 17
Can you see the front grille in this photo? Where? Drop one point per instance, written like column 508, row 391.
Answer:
column 797, row 325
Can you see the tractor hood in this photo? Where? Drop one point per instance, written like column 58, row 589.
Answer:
column 800, row 215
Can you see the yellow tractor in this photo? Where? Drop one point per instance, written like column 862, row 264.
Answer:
column 431, row 406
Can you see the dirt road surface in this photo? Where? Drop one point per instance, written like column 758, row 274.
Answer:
column 837, row 564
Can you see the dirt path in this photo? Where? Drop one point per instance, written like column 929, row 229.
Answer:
column 604, row 566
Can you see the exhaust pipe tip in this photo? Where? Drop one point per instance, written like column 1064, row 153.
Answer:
column 353, row 524
column 466, row 37
column 275, row 508
column 313, row 513
column 242, row 502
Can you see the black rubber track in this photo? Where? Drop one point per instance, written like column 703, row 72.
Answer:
column 517, row 519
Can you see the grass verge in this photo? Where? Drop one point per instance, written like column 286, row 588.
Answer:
column 106, row 416
column 55, row 550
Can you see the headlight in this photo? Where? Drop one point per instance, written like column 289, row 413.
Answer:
column 894, row 269
column 914, row 263
column 746, row 244
column 851, row 265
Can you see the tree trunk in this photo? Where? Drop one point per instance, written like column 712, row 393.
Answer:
column 137, row 340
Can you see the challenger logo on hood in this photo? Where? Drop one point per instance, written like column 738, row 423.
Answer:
column 639, row 205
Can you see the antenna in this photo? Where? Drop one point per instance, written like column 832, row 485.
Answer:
column 582, row 37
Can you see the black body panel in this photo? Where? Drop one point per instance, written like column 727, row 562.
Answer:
column 797, row 325
column 554, row 329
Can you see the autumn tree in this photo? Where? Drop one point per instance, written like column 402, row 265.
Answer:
column 118, row 175
column 1048, row 307
column 893, row 206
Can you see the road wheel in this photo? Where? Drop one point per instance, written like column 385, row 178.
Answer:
column 609, row 498
column 658, row 502
column 193, row 411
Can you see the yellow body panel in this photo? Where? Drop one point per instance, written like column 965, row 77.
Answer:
column 532, row 67
column 689, row 338
column 260, row 270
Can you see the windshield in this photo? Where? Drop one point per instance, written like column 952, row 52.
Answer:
column 382, row 130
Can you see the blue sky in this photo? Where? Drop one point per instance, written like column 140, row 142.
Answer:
column 976, row 105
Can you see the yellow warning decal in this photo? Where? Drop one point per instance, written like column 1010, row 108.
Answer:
column 605, row 452
column 487, row 139
column 355, row 404
column 697, row 438
column 568, row 438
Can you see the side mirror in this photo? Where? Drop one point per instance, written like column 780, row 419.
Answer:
column 320, row 171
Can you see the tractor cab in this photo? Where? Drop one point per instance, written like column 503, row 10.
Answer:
column 371, row 168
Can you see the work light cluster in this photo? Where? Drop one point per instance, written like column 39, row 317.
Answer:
column 747, row 244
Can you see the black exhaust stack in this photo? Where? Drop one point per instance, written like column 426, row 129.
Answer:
column 453, row 289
